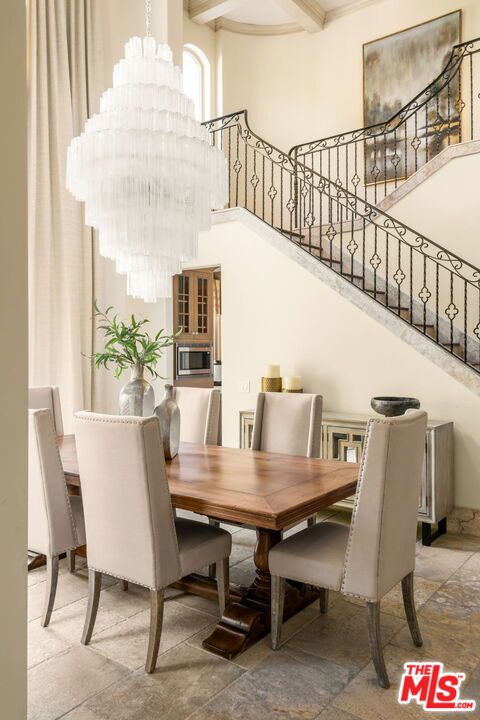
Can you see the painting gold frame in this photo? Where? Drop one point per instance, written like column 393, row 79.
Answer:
column 402, row 177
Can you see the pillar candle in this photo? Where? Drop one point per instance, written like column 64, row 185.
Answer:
column 292, row 383
column 272, row 371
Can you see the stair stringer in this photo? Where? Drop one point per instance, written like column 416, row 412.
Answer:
column 401, row 329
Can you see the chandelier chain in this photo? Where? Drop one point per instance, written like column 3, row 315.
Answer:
column 148, row 12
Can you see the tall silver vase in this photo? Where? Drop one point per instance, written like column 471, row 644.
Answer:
column 168, row 414
column 137, row 397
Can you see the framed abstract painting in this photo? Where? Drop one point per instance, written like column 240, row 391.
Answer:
column 395, row 69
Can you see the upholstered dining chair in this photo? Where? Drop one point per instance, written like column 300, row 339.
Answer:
column 47, row 397
column 200, row 410
column 289, row 423
column 377, row 551
column 131, row 531
column 55, row 520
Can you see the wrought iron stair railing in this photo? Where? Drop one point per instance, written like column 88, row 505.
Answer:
column 373, row 161
column 424, row 284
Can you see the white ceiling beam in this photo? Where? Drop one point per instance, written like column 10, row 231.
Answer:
column 204, row 11
column 307, row 13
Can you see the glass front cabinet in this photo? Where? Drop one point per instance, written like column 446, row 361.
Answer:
column 343, row 438
column 193, row 306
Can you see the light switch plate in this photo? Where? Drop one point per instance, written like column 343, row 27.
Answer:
column 245, row 386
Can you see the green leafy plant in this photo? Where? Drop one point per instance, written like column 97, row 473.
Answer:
column 129, row 344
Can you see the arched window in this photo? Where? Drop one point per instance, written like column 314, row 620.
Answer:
column 196, row 80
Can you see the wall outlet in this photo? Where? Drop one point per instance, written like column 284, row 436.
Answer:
column 245, row 386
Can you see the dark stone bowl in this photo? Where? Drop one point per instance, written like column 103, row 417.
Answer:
column 393, row 406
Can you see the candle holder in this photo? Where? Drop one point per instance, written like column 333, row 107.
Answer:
column 271, row 384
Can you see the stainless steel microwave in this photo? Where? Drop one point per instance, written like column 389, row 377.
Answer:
column 194, row 359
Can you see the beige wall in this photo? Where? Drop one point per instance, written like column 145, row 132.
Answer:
column 274, row 311
column 304, row 86
column 13, row 362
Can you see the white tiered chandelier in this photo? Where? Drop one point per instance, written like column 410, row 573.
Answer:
column 146, row 171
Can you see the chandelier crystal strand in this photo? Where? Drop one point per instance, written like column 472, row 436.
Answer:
column 146, row 171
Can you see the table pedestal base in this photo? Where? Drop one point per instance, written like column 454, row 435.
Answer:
column 247, row 620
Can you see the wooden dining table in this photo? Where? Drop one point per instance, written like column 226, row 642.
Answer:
column 267, row 491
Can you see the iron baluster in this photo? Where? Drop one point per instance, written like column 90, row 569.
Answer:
column 399, row 276
column 229, row 167
column 245, row 170
column 449, row 114
column 416, row 142
column 426, row 294
column 263, row 186
column 451, row 314
column 471, row 97
column 386, row 269
column 437, row 295
column 237, row 164
column 254, row 182
column 465, row 336
column 394, row 158
column 363, row 253
column 281, row 198
column 426, row 132
column 411, row 285
column 385, row 165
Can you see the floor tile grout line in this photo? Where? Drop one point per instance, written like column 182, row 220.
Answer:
column 181, row 642
column 228, row 685
column 107, row 687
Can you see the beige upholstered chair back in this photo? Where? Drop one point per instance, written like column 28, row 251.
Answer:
column 47, row 397
column 381, row 545
column 126, row 500
column 289, row 423
column 200, row 414
column 51, row 529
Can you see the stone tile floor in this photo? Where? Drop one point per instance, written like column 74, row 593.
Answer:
column 322, row 671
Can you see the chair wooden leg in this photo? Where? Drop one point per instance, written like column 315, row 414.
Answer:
column 223, row 584
column 212, row 569
column 94, row 587
column 125, row 585
column 375, row 641
column 278, row 597
column 312, row 521
column 323, row 600
column 410, row 611
column 156, row 619
column 52, row 578
column 71, row 561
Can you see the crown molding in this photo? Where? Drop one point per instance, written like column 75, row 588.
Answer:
column 249, row 29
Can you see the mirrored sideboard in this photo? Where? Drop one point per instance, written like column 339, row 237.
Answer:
column 343, row 437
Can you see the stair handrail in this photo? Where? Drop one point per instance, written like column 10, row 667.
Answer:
column 470, row 47
column 368, row 212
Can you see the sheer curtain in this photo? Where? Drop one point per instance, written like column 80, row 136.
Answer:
column 64, row 42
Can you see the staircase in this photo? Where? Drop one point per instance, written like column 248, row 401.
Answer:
column 426, row 286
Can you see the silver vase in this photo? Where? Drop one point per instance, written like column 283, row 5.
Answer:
column 168, row 414
column 137, row 397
